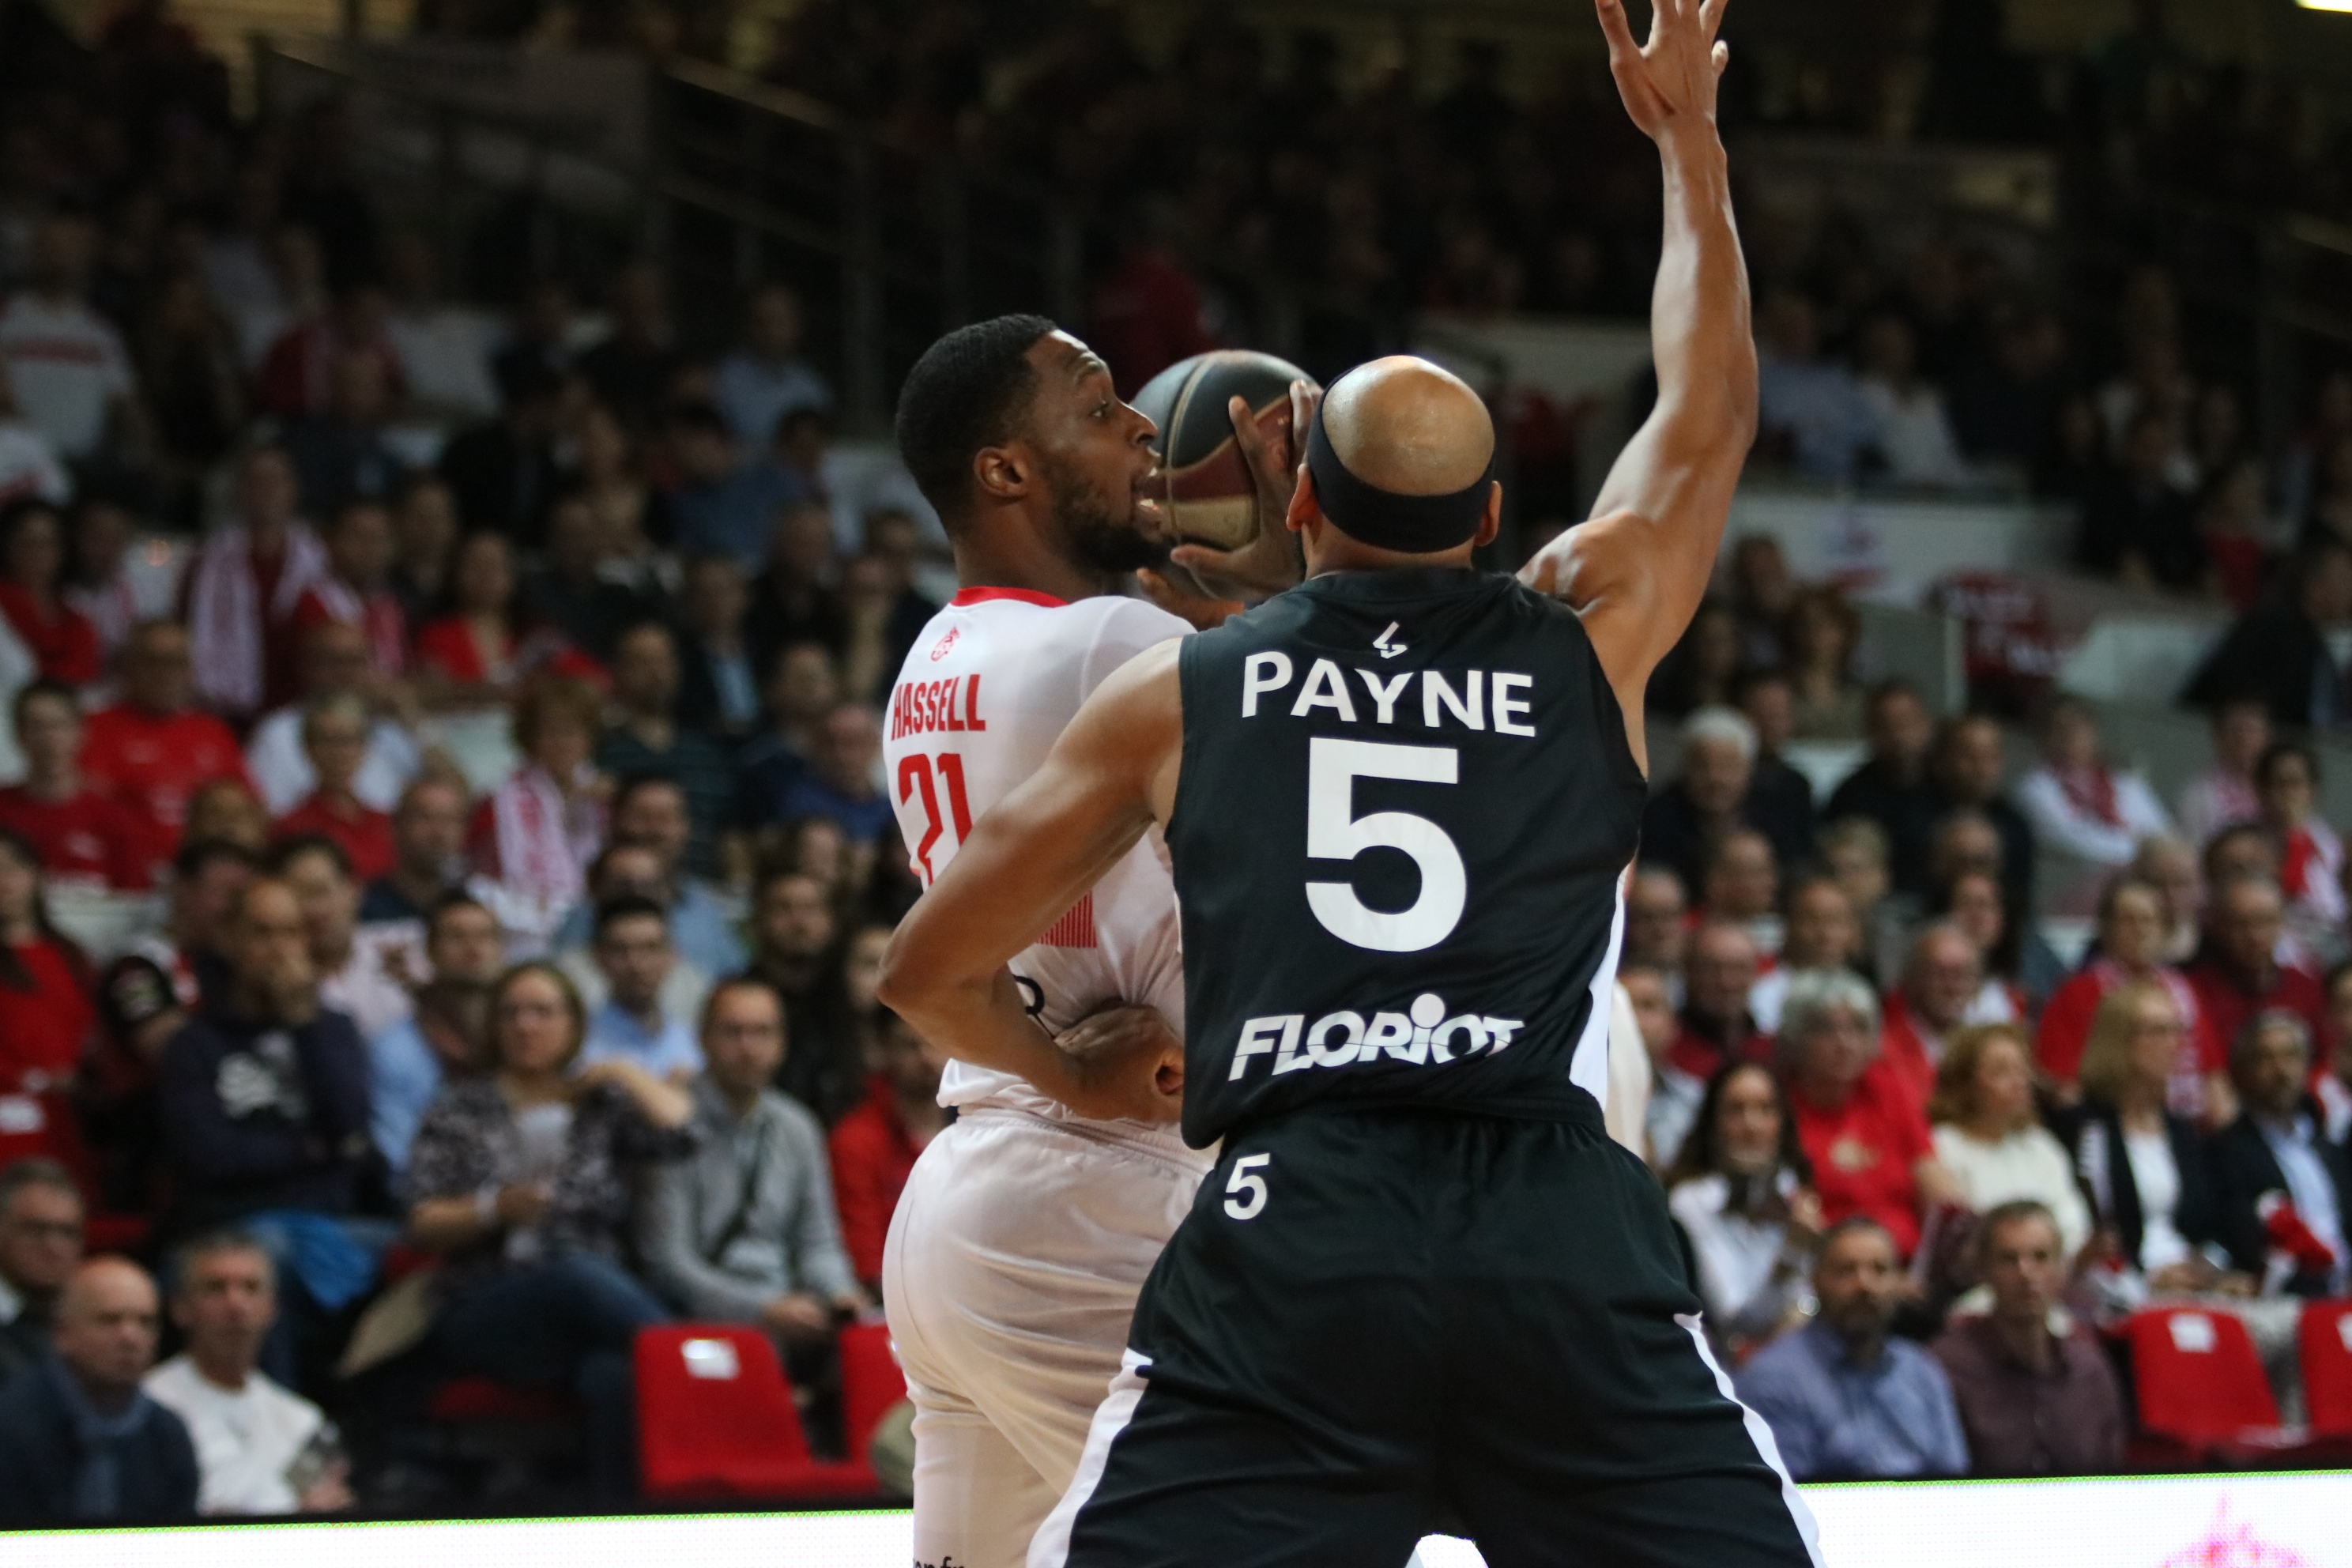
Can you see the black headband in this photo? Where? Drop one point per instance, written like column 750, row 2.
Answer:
column 1412, row 525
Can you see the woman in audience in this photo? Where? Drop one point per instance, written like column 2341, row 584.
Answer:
column 2080, row 802
column 861, row 979
column 425, row 531
column 32, row 568
column 469, row 656
column 1974, row 902
column 536, row 833
column 46, row 1017
column 1699, row 672
column 524, row 1182
column 628, row 511
column 2131, row 933
column 1742, row 1191
column 1817, row 642
column 2310, row 855
column 1987, row 1134
column 1862, row 1129
column 2142, row 1164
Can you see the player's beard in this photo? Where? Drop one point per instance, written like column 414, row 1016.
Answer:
column 1099, row 532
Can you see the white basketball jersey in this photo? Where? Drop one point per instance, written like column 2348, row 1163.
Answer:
column 985, row 692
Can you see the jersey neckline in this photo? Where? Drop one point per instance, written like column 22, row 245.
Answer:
column 1023, row 596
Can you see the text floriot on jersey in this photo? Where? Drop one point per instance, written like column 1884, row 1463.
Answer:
column 1426, row 1036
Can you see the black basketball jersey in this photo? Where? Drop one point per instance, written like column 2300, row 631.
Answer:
column 1405, row 802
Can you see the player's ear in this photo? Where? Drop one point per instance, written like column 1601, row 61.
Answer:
column 1003, row 473
column 1302, row 502
column 1492, row 523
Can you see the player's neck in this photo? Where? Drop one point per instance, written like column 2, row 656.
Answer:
column 990, row 559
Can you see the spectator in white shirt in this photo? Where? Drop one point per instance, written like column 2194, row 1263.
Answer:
column 260, row 1449
column 634, row 956
column 1913, row 435
column 70, row 371
column 28, row 466
column 1742, row 1192
column 767, row 378
column 2223, row 795
column 2078, row 802
column 334, row 664
column 443, row 349
column 1986, row 1135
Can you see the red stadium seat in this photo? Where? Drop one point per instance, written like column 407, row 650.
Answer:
column 2327, row 1367
column 2203, row 1394
column 483, row 1399
column 715, row 1419
column 871, row 1383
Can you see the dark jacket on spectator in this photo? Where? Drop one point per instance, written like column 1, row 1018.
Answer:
column 24, row 1341
column 499, row 482
column 258, row 1116
column 46, row 1456
column 2244, row 1169
column 2094, row 1133
column 2276, row 653
column 2067, row 1420
column 2154, row 521
column 2016, row 841
column 1781, row 803
column 1908, row 812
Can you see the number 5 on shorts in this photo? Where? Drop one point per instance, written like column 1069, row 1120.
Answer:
column 1245, row 1189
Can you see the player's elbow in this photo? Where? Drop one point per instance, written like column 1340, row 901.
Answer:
column 899, row 986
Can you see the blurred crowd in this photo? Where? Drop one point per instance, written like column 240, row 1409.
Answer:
column 442, row 899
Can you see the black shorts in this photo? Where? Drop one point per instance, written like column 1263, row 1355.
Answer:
column 1376, row 1325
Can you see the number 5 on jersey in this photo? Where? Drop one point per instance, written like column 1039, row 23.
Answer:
column 916, row 772
column 1245, row 1189
column 1334, row 832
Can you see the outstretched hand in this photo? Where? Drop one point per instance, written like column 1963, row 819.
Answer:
column 1668, row 84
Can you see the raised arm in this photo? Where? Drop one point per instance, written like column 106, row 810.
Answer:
column 1637, row 571
column 1033, row 856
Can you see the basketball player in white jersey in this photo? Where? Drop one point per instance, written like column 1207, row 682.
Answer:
column 1025, row 1231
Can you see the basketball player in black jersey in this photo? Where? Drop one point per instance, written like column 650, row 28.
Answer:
column 1421, row 1290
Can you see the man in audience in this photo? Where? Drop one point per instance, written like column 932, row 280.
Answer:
column 1655, row 931
column 2283, row 1190
column 2280, row 651
column 629, row 871
column 260, row 1449
column 1810, row 408
column 634, row 956
column 79, row 1442
column 1943, row 976
column 724, row 504
column 446, row 1033
column 265, row 1103
column 1822, row 934
column 874, row 1148
column 335, row 660
column 1683, row 821
column 85, row 838
column 1716, row 1027
column 2237, row 976
column 357, row 978
column 2035, row 1393
column 357, row 589
column 1892, row 788
column 650, row 812
column 40, row 1246
column 1968, row 770
column 797, row 936
column 241, row 588
column 719, row 681
column 428, row 847
column 1779, row 799
column 840, row 782
column 1843, row 1397
column 502, row 474
column 1675, row 1094
column 646, row 738
column 2166, row 862
column 632, row 369
column 744, row 1230
column 570, row 592
column 72, row 377
column 150, row 751
column 1741, row 883
column 340, row 452
column 768, row 377
column 804, row 687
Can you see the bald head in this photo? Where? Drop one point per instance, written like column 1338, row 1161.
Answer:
column 1409, row 427
column 105, row 1326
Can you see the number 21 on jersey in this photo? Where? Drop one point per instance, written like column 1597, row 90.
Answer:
column 919, row 771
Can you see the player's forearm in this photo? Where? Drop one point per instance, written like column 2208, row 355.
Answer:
column 983, row 1020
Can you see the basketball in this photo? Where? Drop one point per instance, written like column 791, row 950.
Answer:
column 1204, row 487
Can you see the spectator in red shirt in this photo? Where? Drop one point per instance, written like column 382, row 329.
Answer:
column 1866, row 1136
column 335, row 738
column 242, row 586
column 298, row 377
column 874, row 1146
column 357, row 590
column 32, row 563
column 1945, row 973
column 2131, row 934
column 2239, row 975
column 85, row 839
column 150, row 751
column 46, row 1018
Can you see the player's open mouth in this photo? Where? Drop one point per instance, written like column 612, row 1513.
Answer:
column 1147, row 501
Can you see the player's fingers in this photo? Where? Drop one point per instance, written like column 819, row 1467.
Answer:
column 1722, row 57
column 1623, row 52
column 1247, row 435
column 1710, row 16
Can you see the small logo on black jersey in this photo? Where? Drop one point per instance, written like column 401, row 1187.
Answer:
column 1386, row 648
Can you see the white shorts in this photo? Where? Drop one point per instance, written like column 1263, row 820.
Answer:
column 1010, row 1279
